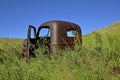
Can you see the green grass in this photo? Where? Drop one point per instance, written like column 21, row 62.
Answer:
column 94, row 60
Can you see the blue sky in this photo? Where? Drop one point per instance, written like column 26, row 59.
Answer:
column 16, row 15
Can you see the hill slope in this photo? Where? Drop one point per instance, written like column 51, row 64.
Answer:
column 97, row 59
column 112, row 32
column 10, row 43
column 111, row 29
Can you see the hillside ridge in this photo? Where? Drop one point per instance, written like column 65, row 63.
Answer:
column 113, row 28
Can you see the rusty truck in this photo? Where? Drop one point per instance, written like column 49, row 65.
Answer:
column 57, row 34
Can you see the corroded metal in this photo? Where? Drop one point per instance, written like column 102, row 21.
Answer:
column 58, row 38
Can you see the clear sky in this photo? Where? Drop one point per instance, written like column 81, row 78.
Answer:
column 16, row 15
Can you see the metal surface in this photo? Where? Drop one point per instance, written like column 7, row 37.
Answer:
column 58, row 38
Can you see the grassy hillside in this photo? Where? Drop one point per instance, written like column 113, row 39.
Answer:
column 105, row 35
column 97, row 59
column 10, row 48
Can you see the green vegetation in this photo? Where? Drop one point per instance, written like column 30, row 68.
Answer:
column 94, row 60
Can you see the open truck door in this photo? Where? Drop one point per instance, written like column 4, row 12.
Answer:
column 31, row 39
column 31, row 35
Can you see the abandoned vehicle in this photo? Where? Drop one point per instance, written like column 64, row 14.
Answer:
column 55, row 34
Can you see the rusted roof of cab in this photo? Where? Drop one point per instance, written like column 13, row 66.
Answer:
column 57, row 23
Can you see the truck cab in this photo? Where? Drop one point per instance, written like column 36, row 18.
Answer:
column 57, row 34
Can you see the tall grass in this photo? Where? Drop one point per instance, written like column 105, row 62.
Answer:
column 93, row 60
